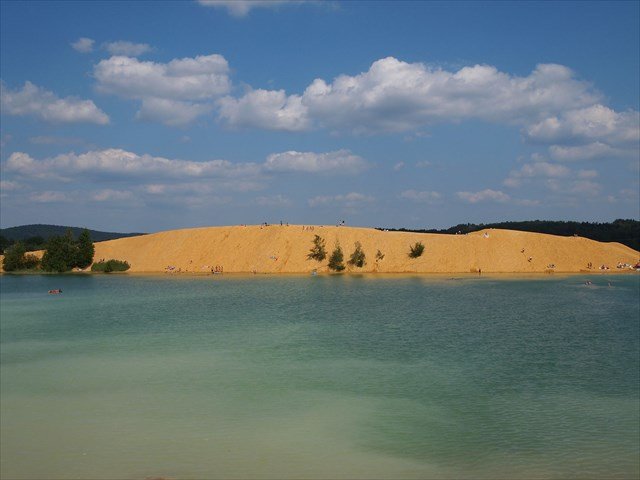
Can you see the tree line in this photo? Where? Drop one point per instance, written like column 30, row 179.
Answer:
column 62, row 254
column 625, row 231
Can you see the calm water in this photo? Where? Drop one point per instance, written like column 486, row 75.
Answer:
column 319, row 377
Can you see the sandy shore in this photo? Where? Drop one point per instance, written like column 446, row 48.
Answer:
column 284, row 249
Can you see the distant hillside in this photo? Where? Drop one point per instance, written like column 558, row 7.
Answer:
column 35, row 236
column 626, row 232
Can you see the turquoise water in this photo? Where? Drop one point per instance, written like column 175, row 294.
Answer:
column 319, row 377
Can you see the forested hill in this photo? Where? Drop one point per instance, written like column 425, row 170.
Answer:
column 626, row 232
column 35, row 236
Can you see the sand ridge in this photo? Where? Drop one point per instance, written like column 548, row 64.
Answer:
column 284, row 249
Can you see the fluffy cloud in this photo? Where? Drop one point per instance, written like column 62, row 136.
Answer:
column 421, row 196
column 579, row 187
column 200, row 78
column 171, row 112
column 341, row 161
column 483, row 196
column 240, row 8
column 269, row 110
column 593, row 123
column 350, row 200
column 397, row 96
column 173, row 93
column 120, row 163
column 128, row 49
column 591, row 151
column 536, row 169
column 50, row 197
column 35, row 101
column 550, row 105
column 83, row 45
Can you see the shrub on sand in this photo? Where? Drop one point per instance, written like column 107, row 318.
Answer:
column 110, row 266
column 357, row 258
column 336, row 259
column 416, row 250
column 318, row 251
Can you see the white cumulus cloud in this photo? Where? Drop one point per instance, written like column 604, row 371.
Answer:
column 83, row 45
column 398, row 96
column 483, row 196
column 37, row 102
column 591, row 151
column 589, row 124
column 50, row 197
column 174, row 113
column 269, row 110
column 535, row 170
column 186, row 86
column 341, row 161
column 200, row 78
column 121, row 163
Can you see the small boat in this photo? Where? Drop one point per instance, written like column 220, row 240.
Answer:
column 55, row 292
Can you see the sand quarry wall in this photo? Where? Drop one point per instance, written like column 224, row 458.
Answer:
column 284, row 249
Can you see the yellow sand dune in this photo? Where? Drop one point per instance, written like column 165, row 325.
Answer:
column 284, row 249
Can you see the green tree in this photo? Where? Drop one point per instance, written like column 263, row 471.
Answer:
column 336, row 259
column 4, row 243
column 357, row 258
column 85, row 250
column 416, row 250
column 318, row 251
column 14, row 257
column 61, row 253
column 34, row 243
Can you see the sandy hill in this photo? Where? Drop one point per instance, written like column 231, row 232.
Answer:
column 284, row 249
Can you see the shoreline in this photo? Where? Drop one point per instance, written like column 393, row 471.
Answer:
column 458, row 275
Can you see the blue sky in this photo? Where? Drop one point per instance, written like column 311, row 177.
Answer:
column 149, row 116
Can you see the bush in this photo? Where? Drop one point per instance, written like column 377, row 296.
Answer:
column 318, row 251
column 336, row 259
column 13, row 257
column 110, row 266
column 357, row 258
column 379, row 255
column 416, row 250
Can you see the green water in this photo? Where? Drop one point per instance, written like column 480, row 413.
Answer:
column 319, row 377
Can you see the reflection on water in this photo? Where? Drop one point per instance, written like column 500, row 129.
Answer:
column 319, row 377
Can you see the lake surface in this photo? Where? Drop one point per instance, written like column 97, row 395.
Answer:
column 319, row 377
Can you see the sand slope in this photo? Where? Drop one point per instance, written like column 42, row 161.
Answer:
column 284, row 249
